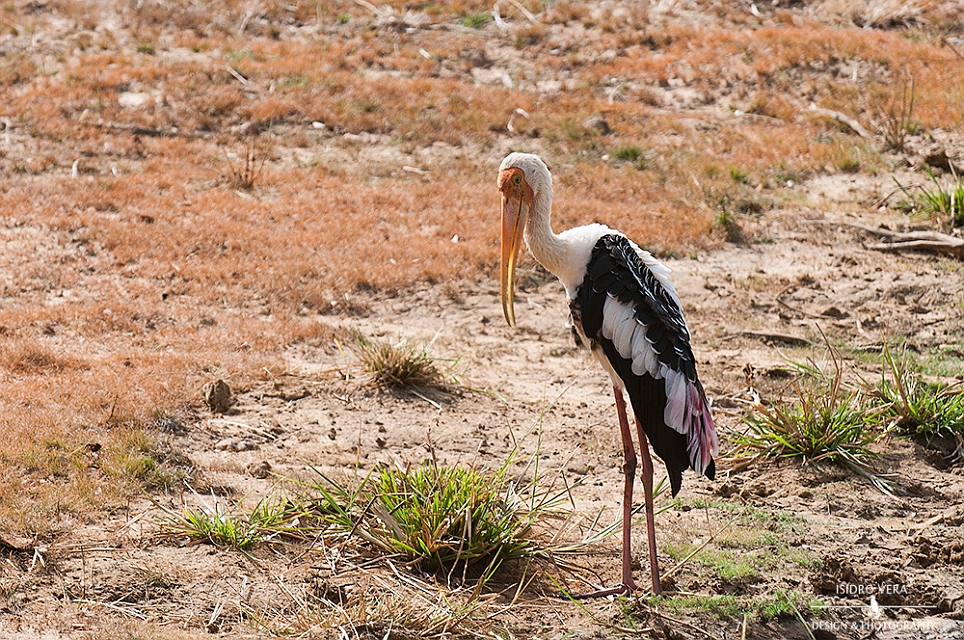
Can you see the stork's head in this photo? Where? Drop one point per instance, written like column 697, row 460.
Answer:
column 521, row 177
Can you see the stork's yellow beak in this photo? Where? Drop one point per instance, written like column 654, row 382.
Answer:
column 515, row 211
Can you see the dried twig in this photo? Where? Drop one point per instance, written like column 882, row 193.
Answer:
column 518, row 5
column 953, row 48
column 840, row 117
column 911, row 240
column 802, row 312
column 954, row 247
column 774, row 336
column 949, row 513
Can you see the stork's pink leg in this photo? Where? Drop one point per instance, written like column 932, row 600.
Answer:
column 647, row 477
column 629, row 473
column 629, row 476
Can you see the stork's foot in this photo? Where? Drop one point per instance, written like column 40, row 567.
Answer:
column 624, row 589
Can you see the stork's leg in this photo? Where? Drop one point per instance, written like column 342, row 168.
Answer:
column 629, row 475
column 647, row 477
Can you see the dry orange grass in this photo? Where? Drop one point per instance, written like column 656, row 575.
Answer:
column 132, row 270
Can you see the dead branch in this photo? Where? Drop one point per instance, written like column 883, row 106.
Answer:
column 840, row 117
column 918, row 241
column 908, row 241
column 150, row 132
column 773, row 336
column 953, row 48
column 954, row 247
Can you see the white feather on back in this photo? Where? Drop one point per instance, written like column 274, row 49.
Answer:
column 629, row 337
column 674, row 413
column 644, row 357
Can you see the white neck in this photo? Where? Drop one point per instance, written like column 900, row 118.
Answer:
column 565, row 255
column 544, row 245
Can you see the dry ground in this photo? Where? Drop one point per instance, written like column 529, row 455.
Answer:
column 137, row 264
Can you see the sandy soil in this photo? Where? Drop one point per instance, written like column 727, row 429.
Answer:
column 806, row 272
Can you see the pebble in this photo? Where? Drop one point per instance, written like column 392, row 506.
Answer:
column 236, row 444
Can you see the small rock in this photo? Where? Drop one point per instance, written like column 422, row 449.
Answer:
column 761, row 489
column 236, row 444
column 170, row 424
column 597, row 123
column 937, row 159
column 133, row 99
column 726, row 489
column 217, row 396
column 259, row 469
column 15, row 543
column 577, row 468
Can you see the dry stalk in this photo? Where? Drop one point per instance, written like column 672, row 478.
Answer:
column 244, row 176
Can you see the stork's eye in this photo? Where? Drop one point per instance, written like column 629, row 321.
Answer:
column 517, row 179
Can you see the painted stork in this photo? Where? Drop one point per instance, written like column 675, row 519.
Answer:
column 625, row 310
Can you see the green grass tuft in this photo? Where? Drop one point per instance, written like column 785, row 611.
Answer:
column 943, row 201
column 739, row 175
column 916, row 407
column 633, row 155
column 235, row 529
column 730, row 565
column 723, row 607
column 443, row 516
column 782, row 603
column 728, row 222
column 440, row 518
column 476, row 20
column 827, row 422
column 143, row 459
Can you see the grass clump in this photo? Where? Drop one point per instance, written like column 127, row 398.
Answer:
column 739, row 175
column 784, row 603
column 633, row 155
column 917, row 408
column 837, row 423
column 220, row 529
column 443, row 516
column 897, row 122
column 438, row 518
column 723, row 607
column 827, row 422
column 236, row 529
column 141, row 458
column 245, row 174
column 400, row 364
column 944, row 202
column 751, row 543
column 728, row 222
column 731, row 565
column 475, row 20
